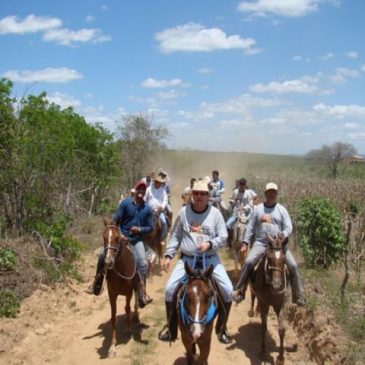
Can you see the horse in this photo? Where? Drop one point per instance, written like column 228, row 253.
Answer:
column 268, row 285
column 197, row 308
column 154, row 241
column 238, row 233
column 121, row 276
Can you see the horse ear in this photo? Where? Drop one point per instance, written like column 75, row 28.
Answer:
column 105, row 221
column 269, row 238
column 188, row 269
column 208, row 272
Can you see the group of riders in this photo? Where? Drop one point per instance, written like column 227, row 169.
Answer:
column 199, row 231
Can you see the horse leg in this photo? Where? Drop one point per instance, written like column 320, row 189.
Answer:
column 113, row 305
column 189, row 347
column 204, row 350
column 235, row 257
column 251, row 312
column 264, row 310
column 280, row 315
column 127, row 309
column 135, row 316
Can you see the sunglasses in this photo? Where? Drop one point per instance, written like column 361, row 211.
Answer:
column 201, row 193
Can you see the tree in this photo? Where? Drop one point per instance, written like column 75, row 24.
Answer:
column 138, row 144
column 332, row 155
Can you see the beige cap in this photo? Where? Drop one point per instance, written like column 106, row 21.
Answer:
column 206, row 179
column 271, row 186
column 200, row 185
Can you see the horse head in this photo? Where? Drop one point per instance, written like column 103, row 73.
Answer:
column 275, row 263
column 197, row 305
column 112, row 242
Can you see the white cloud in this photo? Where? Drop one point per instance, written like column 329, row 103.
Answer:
column 352, row 54
column 305, row 85
column 153, row 83
column 30, row 24
column 288, row 8
column 63, row 100
column 104, row 8
column 194, row 37
column 340, row 111
column 297, row 58
column 328, row 56
column 205, row 70
column 171, row 94
column 59, row 75
column 352, row 125
column 67, row 37
column 89, row 19
column 342, row 74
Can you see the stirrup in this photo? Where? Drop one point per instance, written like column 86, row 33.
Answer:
column 238, row 296
column 165, row 334
column 224, row 337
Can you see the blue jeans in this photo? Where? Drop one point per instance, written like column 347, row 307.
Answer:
column 219, row 274
column 231, row 221
column 163, row 225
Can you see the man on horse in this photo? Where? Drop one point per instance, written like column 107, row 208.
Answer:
column 217, row 190
column 241, row 200
column 156, row 198
column 199, row 231
column 269, row 218
column 135, row 219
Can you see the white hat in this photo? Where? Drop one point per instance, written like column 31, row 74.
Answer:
column 200, row 185
column 206, row 179
column 271, row 186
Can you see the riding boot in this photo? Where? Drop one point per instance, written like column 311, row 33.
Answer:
column 221, row 325
column 141, row 293
column 169, row 331
column 96, row 287
column 241, row 287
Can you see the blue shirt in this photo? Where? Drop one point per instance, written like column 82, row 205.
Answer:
column 130, row 214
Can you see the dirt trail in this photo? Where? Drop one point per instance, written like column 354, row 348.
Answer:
column 67, row 326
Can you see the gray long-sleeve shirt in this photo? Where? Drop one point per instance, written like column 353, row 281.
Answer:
column 209, row 225
column 280, row 221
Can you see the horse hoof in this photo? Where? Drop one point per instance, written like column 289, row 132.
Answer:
column 280, row 360
column 251, row 313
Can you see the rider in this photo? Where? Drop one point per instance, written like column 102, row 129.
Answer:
column 166, row 185
column 186, row 195
column 269, row 217
column 217, row 189
column 135, row 218
column 156, row 198
column 199, row 229
column 241, row 200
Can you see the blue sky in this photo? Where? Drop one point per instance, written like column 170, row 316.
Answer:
column 273, row 76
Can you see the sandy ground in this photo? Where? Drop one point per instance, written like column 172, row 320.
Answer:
column 65, row 326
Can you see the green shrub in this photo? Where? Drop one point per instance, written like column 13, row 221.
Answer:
column 320, row 232
column 9, row 303
column 7, row 258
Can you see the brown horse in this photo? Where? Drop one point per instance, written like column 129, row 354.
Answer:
column 269, row 285
column 122, row 277
column 196, row 313
column 238, row 233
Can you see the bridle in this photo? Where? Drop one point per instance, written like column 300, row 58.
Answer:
column 269, row 268
column 117, row 249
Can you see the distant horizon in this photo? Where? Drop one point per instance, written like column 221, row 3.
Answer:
column 267, row 77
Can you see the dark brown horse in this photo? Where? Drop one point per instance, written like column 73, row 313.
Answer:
column 122, row 277
column 269, row 286
column 196, row 313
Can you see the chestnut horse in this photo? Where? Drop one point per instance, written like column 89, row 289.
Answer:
column 269, row 285
column 121, row 275
column 197, row 308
